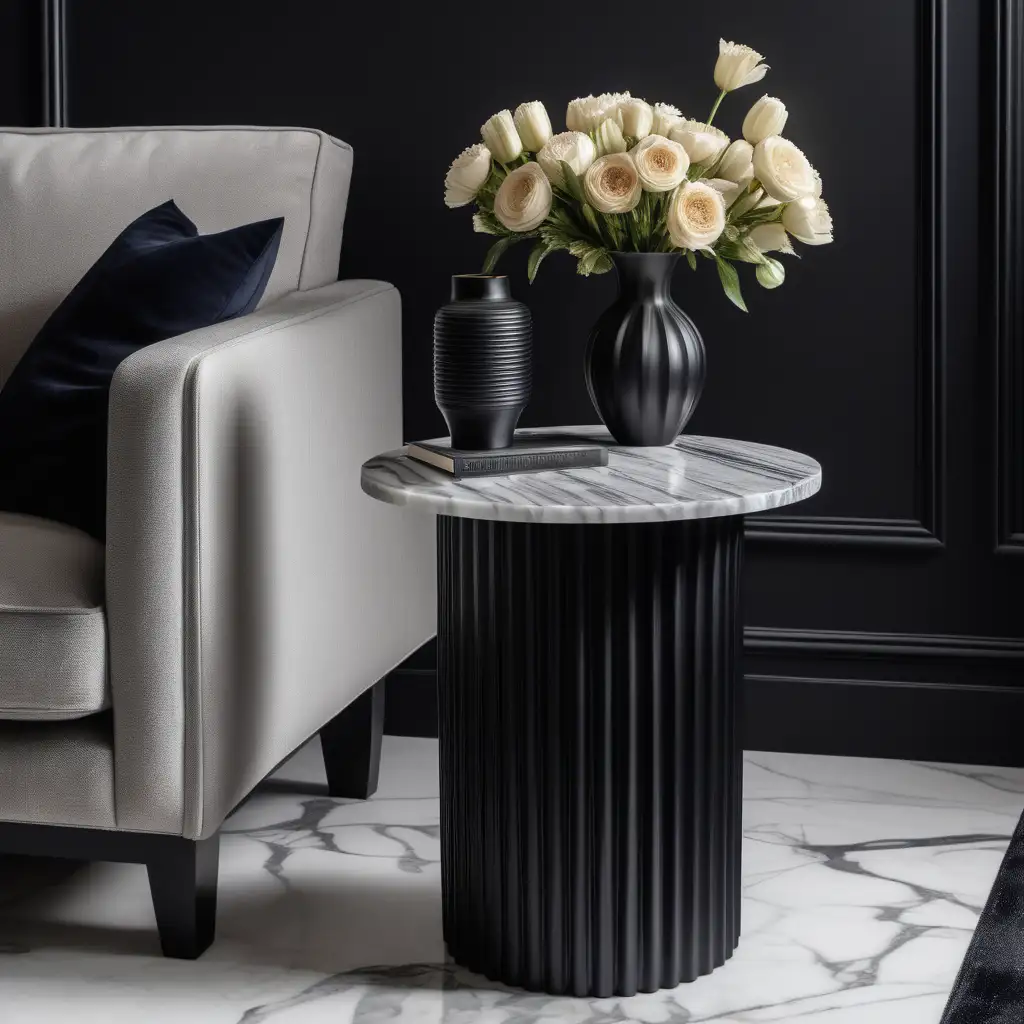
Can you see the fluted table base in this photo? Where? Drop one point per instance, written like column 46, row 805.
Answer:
column 591, row 772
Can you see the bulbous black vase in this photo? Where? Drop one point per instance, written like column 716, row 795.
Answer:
column 645, row 359
column 483, row 367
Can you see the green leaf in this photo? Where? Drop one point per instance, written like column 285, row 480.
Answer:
column 495, row 253
column 572, row 183
column 534, row 260
column 485, row 223
column 730, row 282
column 691, row 259
column 741, row 249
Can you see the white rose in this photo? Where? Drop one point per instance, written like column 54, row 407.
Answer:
column 768, row 116
column 702, row 142
column 575, row 148
column 737, row 65
column 637, row 118
column 609, row 137
column 696, row 216
column 770, row 274
column 533, row 124
column 469, row 170
column 612, row 184
column 666, row 117
column 501, row 138
column 737, row 163
column 808, row 220
column 783, row 170
column 524, row 198
column 660, row 163
column 771, row 238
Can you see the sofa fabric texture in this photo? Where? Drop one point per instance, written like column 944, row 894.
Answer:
column 65, row 193
column 53, row 642
column 157, row 279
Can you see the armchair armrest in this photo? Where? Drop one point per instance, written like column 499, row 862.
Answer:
column 252, row 589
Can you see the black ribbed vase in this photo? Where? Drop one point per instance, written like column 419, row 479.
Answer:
column 483, row 368
column 645, row 359
column 591, row 771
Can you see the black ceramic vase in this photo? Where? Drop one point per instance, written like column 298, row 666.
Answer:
column 645, row 360
column 483, row 370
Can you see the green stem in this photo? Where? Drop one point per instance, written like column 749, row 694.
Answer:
column 714, row 109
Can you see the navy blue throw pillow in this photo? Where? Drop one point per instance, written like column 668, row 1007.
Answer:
column 159, row 278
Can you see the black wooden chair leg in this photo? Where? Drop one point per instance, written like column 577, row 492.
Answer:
column 183, row 881
column 351, row 745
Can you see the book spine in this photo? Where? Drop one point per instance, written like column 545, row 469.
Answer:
column 497, row 465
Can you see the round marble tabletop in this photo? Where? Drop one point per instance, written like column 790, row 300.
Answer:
column 693, row 478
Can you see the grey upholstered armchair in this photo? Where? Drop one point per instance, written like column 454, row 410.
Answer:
column 248, row 591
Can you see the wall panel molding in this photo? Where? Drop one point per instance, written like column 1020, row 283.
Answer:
column 925, row 529
column 54, row 65
column 1007, row 134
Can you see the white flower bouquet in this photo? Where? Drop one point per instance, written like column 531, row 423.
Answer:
column 630, row 176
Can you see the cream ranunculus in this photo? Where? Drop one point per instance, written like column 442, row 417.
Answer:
column 469, row 170
column 771, row 238
column 660, row 163
column 783, row 170
column 737, row 65
column 666, row 117
column 524, row 198
column 768, row 116
column 808, row 220
column 609, row 137
column 612, row 183
column 696, row 216
column 770, row 274
column 637, row 118
column 501, row 138
column 533, row 124
column 575, row 148
column 702, row 142
column 737, row 163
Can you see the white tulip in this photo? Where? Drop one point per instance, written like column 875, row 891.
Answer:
column 783, row 170
column 524, row 198
column 575, row 148
column 730, row 190
column 702, row 142
column 808, row 220
column 771, row 238
column 770, row 274
column 737, row 163
column 501, row 138
column 666, row 117
column 533, row 124
column 737, row 65
column 612, row 183
column 637, row 118
column 587, row 112
column 660, row 163
column 817, row 184
column 609, row 137
column 768, row 116
column 469, row 170
column 696, row 216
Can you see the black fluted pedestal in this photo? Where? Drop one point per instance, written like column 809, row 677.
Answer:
column 591, row 773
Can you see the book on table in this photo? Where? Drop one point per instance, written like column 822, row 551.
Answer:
column 534, row 453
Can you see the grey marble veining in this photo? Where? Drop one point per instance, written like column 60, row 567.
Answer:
column 862, row 883
column 694, row 478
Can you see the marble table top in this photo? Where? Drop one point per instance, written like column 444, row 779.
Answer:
column 693, row 478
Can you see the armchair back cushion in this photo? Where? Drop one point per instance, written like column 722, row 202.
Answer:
column 65, row 193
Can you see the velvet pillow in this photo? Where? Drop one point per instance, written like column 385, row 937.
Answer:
column 159, row 278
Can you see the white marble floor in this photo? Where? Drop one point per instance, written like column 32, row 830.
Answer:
column 863, row 882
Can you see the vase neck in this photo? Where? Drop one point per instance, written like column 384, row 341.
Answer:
column 480, row 286
column 645, row 275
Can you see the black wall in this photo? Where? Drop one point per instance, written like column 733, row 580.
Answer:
column 886, row 615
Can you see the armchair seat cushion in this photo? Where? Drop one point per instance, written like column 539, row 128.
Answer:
column 53, row 636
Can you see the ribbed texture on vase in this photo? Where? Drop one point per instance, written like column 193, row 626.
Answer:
column 590, row 768
column 645, row 360
column 483, row 368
